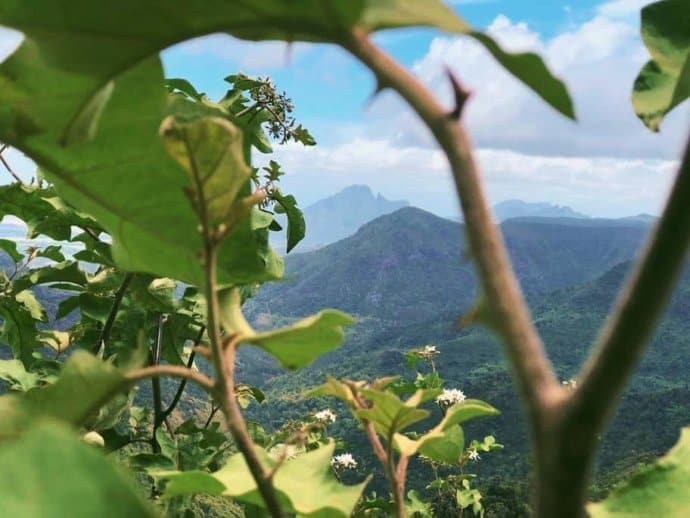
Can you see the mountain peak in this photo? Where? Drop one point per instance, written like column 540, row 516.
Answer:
column 341, row 214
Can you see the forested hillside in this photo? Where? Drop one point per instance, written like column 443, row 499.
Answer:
column 390, row 274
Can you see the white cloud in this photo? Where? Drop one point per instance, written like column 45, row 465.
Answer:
column 598, row 60
column 622, row 8
column 600, row 186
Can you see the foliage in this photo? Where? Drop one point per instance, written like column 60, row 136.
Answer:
column 164, row 225
column 664, row 81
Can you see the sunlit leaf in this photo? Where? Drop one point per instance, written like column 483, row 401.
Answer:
column 306, row 484
column 444, row 443
column 299, row 344
column 664, row 81
column 657, row 490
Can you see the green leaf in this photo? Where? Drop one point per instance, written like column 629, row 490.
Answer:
column 54, row 474
column 301, row 343
column 529, row 68
column 664, row 81
column 65, row 273
column 210, row 151
column 85, row 123
column 297, row 227
column 53, row 252
column 389, row 414
column 20, row 315
column 306, row 484
column 16, row 375
column 10, row 248
column 84, row 386
column 657, row 490
column 443, row 443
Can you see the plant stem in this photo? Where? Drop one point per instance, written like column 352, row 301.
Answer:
column 108, row 326
column 173, row 371
column 155, row 357
column 180, row 389
column 224, row 361
column 569, row 451
column 509, row 313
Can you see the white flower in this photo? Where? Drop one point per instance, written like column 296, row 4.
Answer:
column 474, row 455
column 344, row 461
column 325, row 416
column 451, row 396
column 430, row 350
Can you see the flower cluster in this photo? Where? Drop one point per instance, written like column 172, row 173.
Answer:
column 344, row 461
column 474, row 455
column 450, row 397
column 325, row 416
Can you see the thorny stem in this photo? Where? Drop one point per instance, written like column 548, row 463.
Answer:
column 509, row 315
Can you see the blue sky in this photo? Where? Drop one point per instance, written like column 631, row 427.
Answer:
column 607, row 164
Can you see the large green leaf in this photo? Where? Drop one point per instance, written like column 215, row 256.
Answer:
column 83, row 46
column 658, row 490
column 301, row 343
column 84, row 386
column 664, row 81
column 306, row 484
column 210, row 151
column 54, row 474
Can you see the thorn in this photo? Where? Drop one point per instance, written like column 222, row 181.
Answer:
column 459, row 93
column 380, row 87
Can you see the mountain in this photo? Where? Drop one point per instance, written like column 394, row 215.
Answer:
column 519, row 209
column 403, row 276
column 340, row 215
column 410, row 265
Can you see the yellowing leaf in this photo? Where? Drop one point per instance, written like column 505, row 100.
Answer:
column 306, row 484
column 657, row 490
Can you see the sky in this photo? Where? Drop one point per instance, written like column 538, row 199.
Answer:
column 606, row 164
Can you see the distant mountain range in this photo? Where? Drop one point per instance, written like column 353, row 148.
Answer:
column 340, row 215
column 520, row 209
column 410, row 265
